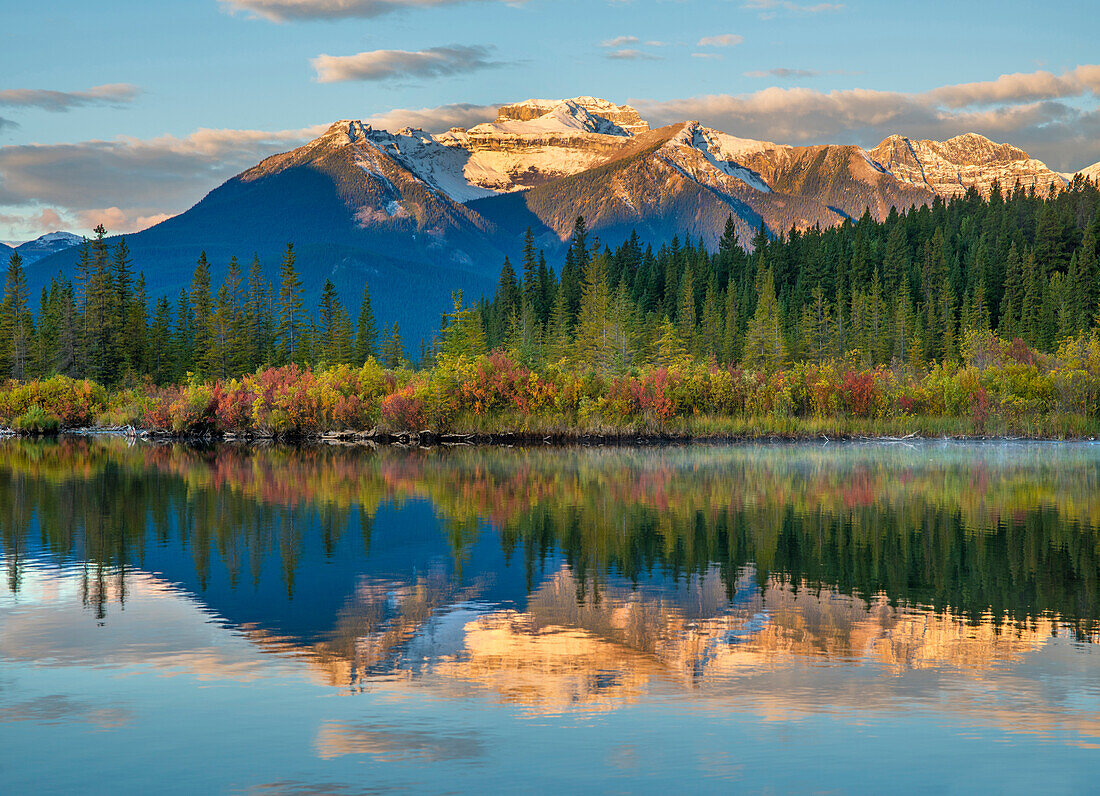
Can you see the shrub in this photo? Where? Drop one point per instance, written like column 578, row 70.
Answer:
column 37, row 421
column 74, row 402
column 404, row 410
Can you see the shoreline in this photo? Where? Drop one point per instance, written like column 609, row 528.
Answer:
column 431, row 439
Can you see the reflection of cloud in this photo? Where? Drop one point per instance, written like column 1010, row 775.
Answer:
column 288, row 787
column 62, row 709
column 164, row 629
column 396, row 742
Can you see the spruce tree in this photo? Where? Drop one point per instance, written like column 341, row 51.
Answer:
column 202, row 308
column 290, row 315
column 765, row 348
column 366, row 332
column 257, row 320
column 393, row 349
column 16, row 316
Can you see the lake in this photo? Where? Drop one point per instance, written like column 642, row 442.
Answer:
column 704, row 618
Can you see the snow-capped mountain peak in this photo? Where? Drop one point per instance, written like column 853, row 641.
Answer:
column 950, row 167
column 701, row 152
column 45, row 245
column 622, row 116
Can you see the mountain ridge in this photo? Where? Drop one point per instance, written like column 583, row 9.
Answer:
column 417, row 215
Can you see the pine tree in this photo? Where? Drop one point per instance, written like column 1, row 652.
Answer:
column 225, row 348
column 161, row 343
column 16, row 316
column 100, row 316
column 123, row 307
column 592, row 346
column 334, row 343
column 765, row 348
column 671, row 351
column 136, row 337
column 202, row 308
column 183, row 348
column 257, row 320
column 366, row 333
column 291, row 316
column 817, row 327
column 685, row 310
column 463, row 334
column 393, row 349
column 730, row 350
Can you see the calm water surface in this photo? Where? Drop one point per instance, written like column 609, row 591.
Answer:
column 844, row 618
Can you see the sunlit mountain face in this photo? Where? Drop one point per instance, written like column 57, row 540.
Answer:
column 430, row 619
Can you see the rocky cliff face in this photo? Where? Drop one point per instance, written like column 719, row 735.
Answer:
column 623, row 116
column 538, row 141
column 950, row 167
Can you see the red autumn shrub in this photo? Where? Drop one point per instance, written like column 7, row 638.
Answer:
column 860, row 392
column 404, row 410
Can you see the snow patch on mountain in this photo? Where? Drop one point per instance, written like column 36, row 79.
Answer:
column 719, row 151
column 45, row 245
column 442, row 168
column 950, row 167
column 1089, row 172
column 623, row 116
column 566, row 117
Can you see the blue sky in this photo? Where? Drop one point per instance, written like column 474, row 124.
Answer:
column 161, row 101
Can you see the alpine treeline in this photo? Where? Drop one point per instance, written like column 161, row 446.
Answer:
column 903, row 292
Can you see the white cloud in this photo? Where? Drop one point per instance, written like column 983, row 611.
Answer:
column 630, row 54
column 131, row 182
column 769, row 8
column 287, row 10
column 1020, row 87
column 721, row 40
column 783, row 72
column 386, row 64
column 110, row 94
column 435, row 120
column 620, row 41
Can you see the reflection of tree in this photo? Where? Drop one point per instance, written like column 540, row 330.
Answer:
column 976, row 530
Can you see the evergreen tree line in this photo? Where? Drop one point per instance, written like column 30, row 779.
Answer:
column 100, row 324
column 903, row 292
column 900, row 292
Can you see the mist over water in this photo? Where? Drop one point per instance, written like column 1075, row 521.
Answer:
column 783, row 617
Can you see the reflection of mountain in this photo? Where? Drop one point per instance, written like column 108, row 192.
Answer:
column 781, row 653
column 274, row 539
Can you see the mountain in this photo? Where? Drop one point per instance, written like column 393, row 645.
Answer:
column 1090, row 172
column 950, row 167
column 5, row 253
column 417, row 215
column 50, row 243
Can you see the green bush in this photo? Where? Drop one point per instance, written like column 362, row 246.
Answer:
column 37, row 420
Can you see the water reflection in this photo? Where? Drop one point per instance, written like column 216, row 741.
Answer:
column 958, row 585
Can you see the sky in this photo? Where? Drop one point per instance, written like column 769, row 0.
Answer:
column 125, row 112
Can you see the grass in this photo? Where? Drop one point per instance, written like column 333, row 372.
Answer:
column 708, row 426
column 37, row 421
